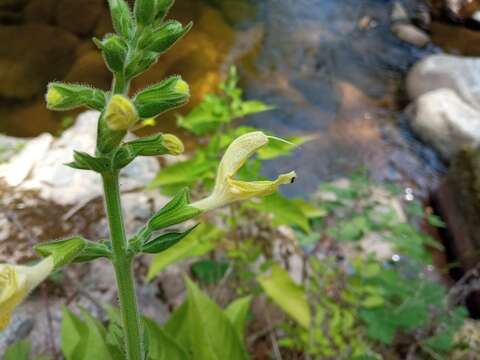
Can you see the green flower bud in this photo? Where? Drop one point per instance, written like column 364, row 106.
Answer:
column 120, row 113
column 168, row 34
column 115, row 51
column 62, row 251
column 154, row 145
column 166, row 95
column 62, row 96
column 121, row 17
column 145, row 11
column 161, row 8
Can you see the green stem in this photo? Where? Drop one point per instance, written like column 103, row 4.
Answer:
column 122, row 261
column 120, row 84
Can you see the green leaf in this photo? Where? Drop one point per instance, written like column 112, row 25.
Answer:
column 237, row 312
column 202, row 327
column 201, row 241
column 276, row 148
column 207, row 117
column 184, row 173
column 209, row 271
column 83, row 339
column 20, row 350
column 63, row 251
column 84, row 161
column 283, row 210
column 436, row 221
column 165, row 241
column 160, row 345
column 251, row 107
column 289, row 296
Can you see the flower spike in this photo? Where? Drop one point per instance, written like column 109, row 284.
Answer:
column 228, row 190
column 15, row 284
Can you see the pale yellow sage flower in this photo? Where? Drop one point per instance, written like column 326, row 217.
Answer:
column 120, row 113
column 16, row 282
column 228, row 190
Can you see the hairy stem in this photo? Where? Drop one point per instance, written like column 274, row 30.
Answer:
column 122, row 261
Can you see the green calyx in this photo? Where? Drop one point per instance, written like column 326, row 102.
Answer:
column 62, row 96
column 175, row 212
column 164, row 96
column 63, row 251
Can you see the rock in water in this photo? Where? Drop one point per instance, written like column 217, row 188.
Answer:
column 460, row 74
column 443, row 119
column 411, row 34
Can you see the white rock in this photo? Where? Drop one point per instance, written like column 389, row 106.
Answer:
column 19, row 167
column 446, row 121
column 40, row 166
column 411, row 34
column 461, row 74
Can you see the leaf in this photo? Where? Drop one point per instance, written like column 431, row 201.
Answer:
column 201, row 241
column 83, row 339
column 250, row 107
column 237, row 312
column 184, row 173
column 289, row 296
column 283, row 210
column 165, row 241
column 201, row 326
column 160, row 345
column 276, row 148
column 209, row 271
column 19, row 350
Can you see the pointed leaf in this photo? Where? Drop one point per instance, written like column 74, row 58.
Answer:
column 237, row 312
column 289, row 296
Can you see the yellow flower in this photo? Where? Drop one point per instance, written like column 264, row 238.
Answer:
column 54, row 97
column 121, row 113
column 173, row 144
column 228, row 190
column 15, row 284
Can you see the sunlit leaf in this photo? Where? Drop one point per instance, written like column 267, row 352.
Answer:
column 289, row 296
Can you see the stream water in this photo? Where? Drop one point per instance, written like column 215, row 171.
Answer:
column 333, row 70
column 331, row 78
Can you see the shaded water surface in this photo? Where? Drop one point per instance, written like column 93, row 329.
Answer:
column 334, row 70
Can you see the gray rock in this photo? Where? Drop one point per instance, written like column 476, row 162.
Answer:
column 410, row 34
column 460, row 74
column 445, row 120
